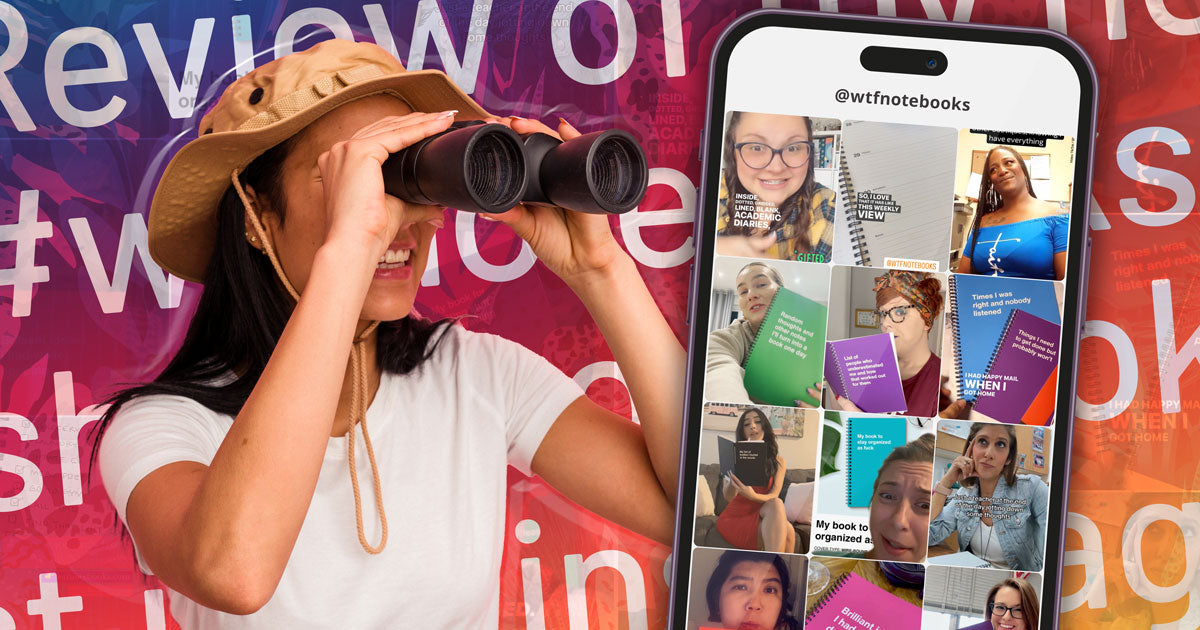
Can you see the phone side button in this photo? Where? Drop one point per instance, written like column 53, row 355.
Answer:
column 700, row 148
column 1083, row 289
column 687, row 319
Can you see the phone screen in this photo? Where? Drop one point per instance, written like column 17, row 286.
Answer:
column 888, row 303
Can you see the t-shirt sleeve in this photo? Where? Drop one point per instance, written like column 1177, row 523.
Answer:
column 151, row 432
column 1060, row 232
column 530, row 393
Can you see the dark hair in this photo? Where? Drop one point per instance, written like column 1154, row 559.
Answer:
column 772, row 464
column 796, row 208
column 712, row 592
column 242, row 312
column 918, row 451
column 1010, row 465
column 983, row 206
column 1029, row 599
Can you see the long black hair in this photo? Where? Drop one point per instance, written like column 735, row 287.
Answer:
column 772, row 463
column 988, row 203
column 242, row 312
column 729, row 559
column 797, row 208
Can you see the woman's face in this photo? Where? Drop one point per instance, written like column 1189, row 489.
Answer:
column 900, row 512
column 1011, row 598
column 755, row 290
column 1004, row 171
column 911, row 334
column 752, row 426
column 301, row 230
column 752, row 596
column 776, row 181
column 990, row 451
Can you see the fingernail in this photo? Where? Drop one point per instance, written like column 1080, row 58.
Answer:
column 448, row 113
column 563, row 121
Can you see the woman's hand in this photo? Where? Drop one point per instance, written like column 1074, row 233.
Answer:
column 743, row 489
column 358, row 212
column 959, row 409
column 754, row 246
column 814, row 392
column 574, row 245
column 961, row 468
column 847, row 405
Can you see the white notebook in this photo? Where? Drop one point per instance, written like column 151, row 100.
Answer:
column 897, row 203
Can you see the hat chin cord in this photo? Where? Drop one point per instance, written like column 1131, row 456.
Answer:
column 358, row 398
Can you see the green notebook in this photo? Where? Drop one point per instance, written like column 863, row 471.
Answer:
column 788, row 354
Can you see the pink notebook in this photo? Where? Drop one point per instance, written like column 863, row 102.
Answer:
column 853, row 603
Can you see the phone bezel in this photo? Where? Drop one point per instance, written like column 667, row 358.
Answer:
column 1075, row 280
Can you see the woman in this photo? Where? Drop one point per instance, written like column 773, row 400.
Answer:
column 771, row 206
column 1013, row 605
column 907, row 302
column 1000, row 516
column 754, row 517
column 1014, row 233
column 899, row 517
column 756, row 285
column 750, row 591
column 236, row 471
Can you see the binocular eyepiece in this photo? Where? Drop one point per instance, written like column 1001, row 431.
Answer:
column 489, row 168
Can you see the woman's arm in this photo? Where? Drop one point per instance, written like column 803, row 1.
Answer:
column 1060, row 265
column 587, row 444
column 222, row 534
column 964, row 262
column 724, row 376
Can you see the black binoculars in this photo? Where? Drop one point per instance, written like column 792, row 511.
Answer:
column 489, row 168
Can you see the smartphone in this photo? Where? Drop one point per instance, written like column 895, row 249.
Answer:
column 887, row 303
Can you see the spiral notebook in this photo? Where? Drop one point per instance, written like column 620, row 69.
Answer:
column 865, row 370
column 788, row 351
column 870, row 441
column 896, row 207
column 979, row 311
column 1018, row 373
column 854, row 603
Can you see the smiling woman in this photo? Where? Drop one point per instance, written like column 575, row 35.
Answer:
column 773, row 207
column 246, row 473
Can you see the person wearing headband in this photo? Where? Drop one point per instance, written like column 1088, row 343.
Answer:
column 907, row 302
column 316, row 454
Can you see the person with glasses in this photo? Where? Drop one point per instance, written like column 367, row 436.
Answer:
column 907, row 302
column 771, row 206
column 1012, row 604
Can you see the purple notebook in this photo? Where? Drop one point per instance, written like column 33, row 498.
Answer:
column 1025, row 357
column 864, row 370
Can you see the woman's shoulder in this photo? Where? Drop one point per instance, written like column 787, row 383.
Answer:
column 822, row 193
column 1029, row 481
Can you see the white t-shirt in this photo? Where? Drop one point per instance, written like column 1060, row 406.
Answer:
column 478, row 404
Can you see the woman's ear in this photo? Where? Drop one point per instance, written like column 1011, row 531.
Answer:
column 267, row 217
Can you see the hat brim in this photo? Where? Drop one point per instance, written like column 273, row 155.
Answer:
column 183, row 215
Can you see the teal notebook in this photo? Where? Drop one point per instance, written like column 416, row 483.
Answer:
column 788, row 355
column 869, row 442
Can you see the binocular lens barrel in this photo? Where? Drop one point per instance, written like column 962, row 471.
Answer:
column 598, row 173
column 475, row 167
column 489, row 168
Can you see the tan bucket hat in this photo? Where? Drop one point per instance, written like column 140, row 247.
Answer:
column 258, row 111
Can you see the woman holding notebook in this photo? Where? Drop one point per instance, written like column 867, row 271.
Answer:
column 1014, row 233
column 772, row 207
column 754, row 517
column 999, row 516
column 907, row 303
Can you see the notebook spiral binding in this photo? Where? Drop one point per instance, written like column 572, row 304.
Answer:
column 858, row 239
column 996, row 350
column 849, row 456
column 952, row 314
column 825, row 599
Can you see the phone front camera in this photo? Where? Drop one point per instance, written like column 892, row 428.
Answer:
column 931, row 63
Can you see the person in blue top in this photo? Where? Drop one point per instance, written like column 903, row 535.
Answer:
column 1014, row 233
column 999, row 516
